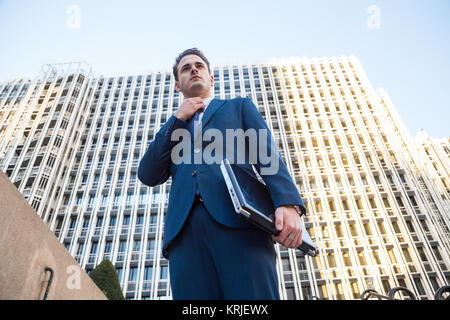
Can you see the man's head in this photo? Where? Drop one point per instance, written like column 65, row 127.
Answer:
column 192, row 74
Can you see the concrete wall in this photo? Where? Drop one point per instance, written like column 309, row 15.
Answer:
column 27, row 246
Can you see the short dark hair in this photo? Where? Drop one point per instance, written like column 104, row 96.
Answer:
column 185, row 53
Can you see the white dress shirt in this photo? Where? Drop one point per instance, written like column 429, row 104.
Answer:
column 206, row 102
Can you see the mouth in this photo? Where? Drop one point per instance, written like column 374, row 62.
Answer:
column 195, row 77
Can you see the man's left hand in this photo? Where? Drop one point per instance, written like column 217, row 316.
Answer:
column 288, row 221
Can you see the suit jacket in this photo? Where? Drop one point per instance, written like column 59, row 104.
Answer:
column 156, row 167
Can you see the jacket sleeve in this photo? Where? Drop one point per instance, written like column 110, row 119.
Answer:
column 282, row 188
column 154, row 167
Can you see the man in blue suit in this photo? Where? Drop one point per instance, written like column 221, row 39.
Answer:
column 213, row 254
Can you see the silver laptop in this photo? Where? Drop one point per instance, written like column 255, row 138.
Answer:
column 252, row 201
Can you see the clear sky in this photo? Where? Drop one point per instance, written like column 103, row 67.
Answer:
column 403, row 45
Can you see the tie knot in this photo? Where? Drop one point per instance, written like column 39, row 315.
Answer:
column 197, row 115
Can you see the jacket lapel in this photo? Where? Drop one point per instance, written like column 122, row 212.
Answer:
column 214, row 105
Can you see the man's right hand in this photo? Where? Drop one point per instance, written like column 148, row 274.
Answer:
column 189, row 107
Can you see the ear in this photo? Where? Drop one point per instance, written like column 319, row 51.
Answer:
column 212, row 80
column 177, row 86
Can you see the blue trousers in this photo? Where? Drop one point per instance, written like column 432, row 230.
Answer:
column 208, row 260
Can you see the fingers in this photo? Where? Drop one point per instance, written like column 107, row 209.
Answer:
column 297, row 240
column 280, row 225
column 197, row 104
column 189, row 107
column 297, row 235
column 293, row 239
column 291, row 232
column 279, row 222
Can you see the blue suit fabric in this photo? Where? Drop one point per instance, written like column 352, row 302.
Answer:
column 187, row 217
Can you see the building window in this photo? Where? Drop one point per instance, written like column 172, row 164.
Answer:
column 164, row 272
column 132, row 274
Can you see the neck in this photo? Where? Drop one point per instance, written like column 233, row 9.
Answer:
column 202, row 95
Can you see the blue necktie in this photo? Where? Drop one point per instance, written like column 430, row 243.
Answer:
column 193, row 124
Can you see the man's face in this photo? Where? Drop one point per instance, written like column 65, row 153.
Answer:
column 194, row 79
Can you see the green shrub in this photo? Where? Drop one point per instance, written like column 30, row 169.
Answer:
column 105, row 277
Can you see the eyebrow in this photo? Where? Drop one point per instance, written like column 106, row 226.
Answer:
column 186, row 64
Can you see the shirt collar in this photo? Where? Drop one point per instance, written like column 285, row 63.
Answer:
column 206, row 101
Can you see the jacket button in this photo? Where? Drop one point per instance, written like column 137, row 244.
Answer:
column 194, row 173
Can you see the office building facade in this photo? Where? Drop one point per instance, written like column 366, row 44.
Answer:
column 71, row 142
